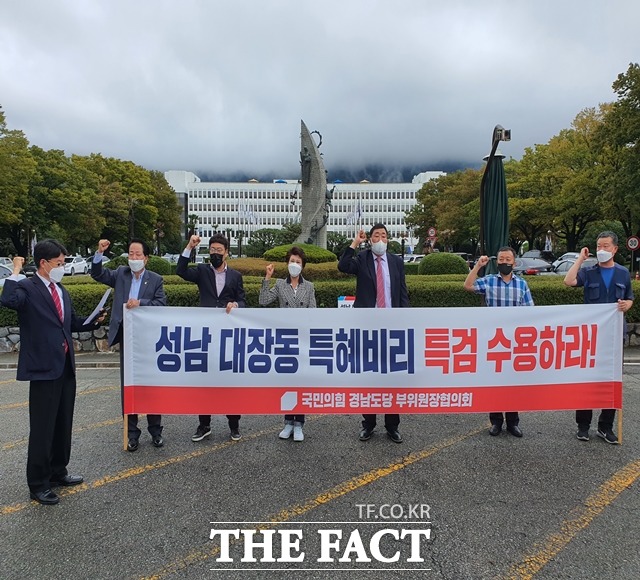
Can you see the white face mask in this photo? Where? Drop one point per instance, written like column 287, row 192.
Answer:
column 136, row 265
column 604, row 256
column 56, row 274
column 294, row 269
column 379, row 248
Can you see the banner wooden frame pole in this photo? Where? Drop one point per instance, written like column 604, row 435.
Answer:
column 620, row 426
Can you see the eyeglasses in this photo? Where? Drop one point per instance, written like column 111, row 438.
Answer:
column 218, row 251
column 57, row 264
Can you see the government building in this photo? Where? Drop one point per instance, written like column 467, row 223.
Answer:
column 231, row 208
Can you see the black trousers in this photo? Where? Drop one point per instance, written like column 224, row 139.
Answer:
column 391, row 422
column 51, row 405
column 298, row 418
column 605, row 421
column 511, row 418
column 234, row 421
column 154, row 422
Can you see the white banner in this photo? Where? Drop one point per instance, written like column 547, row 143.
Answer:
column 188, row 360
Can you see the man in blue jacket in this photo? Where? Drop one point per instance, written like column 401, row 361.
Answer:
column 606, row 282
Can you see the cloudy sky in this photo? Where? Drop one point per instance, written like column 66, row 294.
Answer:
column 221, row 85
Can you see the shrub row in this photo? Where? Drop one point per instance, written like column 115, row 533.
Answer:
column 424, row 291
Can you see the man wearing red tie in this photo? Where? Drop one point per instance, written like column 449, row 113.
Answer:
column 380, row 283
column 47, row 319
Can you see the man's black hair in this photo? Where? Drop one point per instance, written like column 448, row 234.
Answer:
column 219, row 239
column 145, row 247
column 47, row 250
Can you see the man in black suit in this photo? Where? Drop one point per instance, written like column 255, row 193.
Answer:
column 134, row 286
column 380, row 283
column 47, row 319
column 219, row 287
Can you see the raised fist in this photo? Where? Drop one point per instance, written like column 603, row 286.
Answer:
column 269, row 271
column 361, row 236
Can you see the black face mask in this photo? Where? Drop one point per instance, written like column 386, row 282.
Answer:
column 505, row 269
column 216, row 260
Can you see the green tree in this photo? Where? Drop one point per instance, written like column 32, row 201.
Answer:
column 558, row 183
column 68, row 191
column 337, row 242
column 261, row 241
column 288, row 234
column 618, row 141
column 17, row 170
column 451, row 204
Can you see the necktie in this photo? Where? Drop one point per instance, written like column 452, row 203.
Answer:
column 380, row 301
column 56, row 301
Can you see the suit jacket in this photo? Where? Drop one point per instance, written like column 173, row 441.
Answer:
column 151, row 292
column 205, row 278
column 364, row 269
column 42, row 333
column 303, row 297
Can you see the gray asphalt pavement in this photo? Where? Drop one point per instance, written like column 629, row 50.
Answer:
column 546, row 506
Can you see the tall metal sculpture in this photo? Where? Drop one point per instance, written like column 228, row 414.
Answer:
column 316, row 200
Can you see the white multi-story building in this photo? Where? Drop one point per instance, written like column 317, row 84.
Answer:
column 231, row 208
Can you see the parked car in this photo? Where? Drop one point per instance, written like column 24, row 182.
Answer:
column 171, row 258
column 75, row 265
column 568, row 256
column 562, row 267
column 542, row 254
column 531, row 266
column 5, row 272
column 468, row 258
column 411, row 258
column 29, row 269
column 4, row 261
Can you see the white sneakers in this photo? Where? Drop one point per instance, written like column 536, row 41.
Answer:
column 291, row 427
column 288, row 429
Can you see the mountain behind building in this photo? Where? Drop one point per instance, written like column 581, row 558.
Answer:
column 373, row 172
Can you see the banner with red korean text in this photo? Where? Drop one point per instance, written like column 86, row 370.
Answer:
column 404, row 360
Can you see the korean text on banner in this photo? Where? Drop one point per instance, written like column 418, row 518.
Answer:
column 404, row 360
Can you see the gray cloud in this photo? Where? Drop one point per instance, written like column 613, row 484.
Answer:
column 221, row 86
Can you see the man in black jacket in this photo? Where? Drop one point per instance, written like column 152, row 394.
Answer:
column 219, row 287
column 47, row 319
column 380, row 283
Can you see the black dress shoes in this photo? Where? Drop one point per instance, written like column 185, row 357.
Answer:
column 495, row 430
column 132, row 445
column 67, row 480
column 514, row 430
column 46, row 497
column 157, row 441
column 366, row 433
column 394, row 435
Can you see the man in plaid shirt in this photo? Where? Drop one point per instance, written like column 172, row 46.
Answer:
column 502, row 289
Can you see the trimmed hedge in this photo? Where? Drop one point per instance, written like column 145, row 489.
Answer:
column 411, row 268
column 424, row 291
column 442, row 263
column 313, row 254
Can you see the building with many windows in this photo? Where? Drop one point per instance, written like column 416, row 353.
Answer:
column 231, row 208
